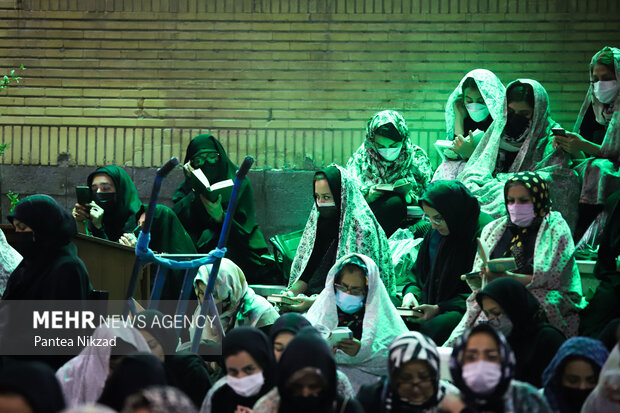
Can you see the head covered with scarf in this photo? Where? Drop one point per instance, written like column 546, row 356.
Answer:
column 358, row 231
column 307, row 351
column 120, row 209
column 491, row 89
column 52, row 225
column 408, row 347
column 207, row 145
column 160, row 399
column 562, row 398
column 368, row 167
column 381, row 322
column 507, row 362
column 35, row 383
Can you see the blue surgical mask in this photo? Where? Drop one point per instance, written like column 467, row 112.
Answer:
column 348, row 303
column 390, row 154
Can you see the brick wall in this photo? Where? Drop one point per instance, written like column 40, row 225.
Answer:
column 291, row 82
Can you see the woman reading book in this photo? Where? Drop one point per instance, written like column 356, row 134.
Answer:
column 340, row 223
column 541, row 244
column 388, row 156
column 203, row 218
column 354, row 297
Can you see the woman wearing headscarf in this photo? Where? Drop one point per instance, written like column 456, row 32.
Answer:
column 340, row 223
column 30, row 386
column 573, row 373
column 50, row 269
column 606, row 395
column 541, row 243
column 284, row 330
column 83, row 377
column 306, row 380
column 250, row 372
column 388, row 156
column 412, row 383
column 514, row 311
column 596, row 135
column 203, row 219
column 9, row 260
column 446, row 252
column 474, row 105
column 521, row 140
column 115, row 204
column 482, row 367
column 355, row 297
column 241, row 306
column 159, row 399
column 135, row 372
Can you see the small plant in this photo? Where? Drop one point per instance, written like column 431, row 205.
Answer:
column 14, row 199
column 6, row 80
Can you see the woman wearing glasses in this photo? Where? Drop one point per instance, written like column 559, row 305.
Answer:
column 355, row 297
column 436, row 290
column 203, row 219
column 413, row 383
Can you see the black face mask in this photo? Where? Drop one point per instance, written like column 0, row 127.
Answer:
column 23, row 242
column 516, row 125
column 328, row 212
column 106, row 200
column 574, row 398
column 307, row 403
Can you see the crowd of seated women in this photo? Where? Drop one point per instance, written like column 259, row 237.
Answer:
column 458, row 335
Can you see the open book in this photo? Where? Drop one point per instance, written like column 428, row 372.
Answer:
column 201, row 184
column 497, row 264
column 283, row 299
column 444, row 146
column 401, row 189
column 338, row 334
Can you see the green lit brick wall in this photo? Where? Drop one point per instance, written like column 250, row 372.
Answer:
column 290, row 82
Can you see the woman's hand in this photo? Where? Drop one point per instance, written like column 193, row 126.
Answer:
column 428, row 311
column 572, row 143
column 409, row 301
column 96, row 215
column 188, row 169
column 452, row 403
column 350, row 346
column 373, row 195
column 488, row 276
column 128, row 239
column 214, row 208
column 304, row 304
column 474, row 282
column 81, row 212
column 464, row 146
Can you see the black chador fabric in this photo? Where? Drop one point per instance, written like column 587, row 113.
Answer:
column 246, row 243
column 187, row 372
column 256, row 344
column 533, row 340
column 325, row 248
column 36, row 383
column 439, row 280
column 134, row 373
column 119, row 217
column 51, row 269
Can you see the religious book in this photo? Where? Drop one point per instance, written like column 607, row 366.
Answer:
column 338, row 334
column 445, row 147
column 497, row 264
column 408, row 312
column 415, row 211
column 201, row 184
column 282, row 299
column 401, row 189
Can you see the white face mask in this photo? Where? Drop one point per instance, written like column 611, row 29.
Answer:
column 477, row 111
column 247, row 386
column 482, row 376
column 605, row 90
column 390, row 154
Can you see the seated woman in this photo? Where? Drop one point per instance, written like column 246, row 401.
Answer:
column 606, row 395
column 250, row 372
column 240, row 305
column 521, row 141
column 447, row 252
column 413, row 382
column 83, row 377
column 203, row 219
column 283, row 331
column 340, row 223
column 115, row 205
column 514, row 311
column 355, row 297
column 597, row 136
column 573, row 373
column 306, row 380
column 482, row 367
column 541, row 244
column 474, row 105
column 29, row 387
column 51, row 268
column 388, row 156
